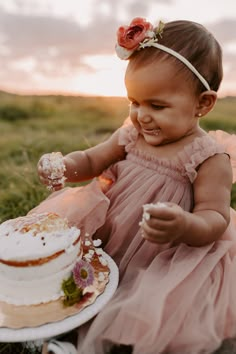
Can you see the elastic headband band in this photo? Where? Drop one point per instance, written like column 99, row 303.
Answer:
column 180, row 57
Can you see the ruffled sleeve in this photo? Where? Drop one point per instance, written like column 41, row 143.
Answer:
column 127, row 135
column 228, row 141
column 127, row 138
column 197, row 152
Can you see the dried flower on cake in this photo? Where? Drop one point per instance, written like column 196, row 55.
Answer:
column 83, row 274
column 82, row 277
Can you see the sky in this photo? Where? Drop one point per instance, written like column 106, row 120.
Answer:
column 67, row 46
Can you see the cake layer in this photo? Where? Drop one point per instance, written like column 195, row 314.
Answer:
column 34, row 291
column 27, row 273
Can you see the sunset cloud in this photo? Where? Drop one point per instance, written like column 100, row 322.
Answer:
column 39, row 39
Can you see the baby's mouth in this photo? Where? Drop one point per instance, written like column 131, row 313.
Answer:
column 151, row 131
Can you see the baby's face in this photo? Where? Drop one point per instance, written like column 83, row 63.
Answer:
column 163, row 104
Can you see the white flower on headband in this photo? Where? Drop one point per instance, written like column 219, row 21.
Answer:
column 139, row 34
column 122, row 52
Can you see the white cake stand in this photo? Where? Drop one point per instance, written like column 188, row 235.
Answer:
column 50, row 330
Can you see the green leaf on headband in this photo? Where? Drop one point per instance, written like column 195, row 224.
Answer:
column 160, row 28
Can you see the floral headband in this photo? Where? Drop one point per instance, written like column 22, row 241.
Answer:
column 141, row 34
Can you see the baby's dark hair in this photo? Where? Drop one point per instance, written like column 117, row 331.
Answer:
column 194, row 42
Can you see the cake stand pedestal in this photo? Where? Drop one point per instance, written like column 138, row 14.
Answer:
column 47, row 331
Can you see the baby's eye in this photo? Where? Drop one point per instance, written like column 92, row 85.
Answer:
column 157, row 106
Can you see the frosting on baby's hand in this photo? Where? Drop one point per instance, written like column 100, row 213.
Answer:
column 146, row 207
column 53, row 165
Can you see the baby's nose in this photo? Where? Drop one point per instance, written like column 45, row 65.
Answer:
column 143, row 116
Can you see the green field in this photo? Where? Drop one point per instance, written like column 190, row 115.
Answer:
column 33, row 125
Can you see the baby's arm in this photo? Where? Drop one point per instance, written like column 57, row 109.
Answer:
column 210, row 215
column 84, row 165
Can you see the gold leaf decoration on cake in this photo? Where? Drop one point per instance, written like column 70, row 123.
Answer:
column 45, row 222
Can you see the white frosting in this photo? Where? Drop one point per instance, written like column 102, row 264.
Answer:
column 23, row 246
column 146, row 215
column 53, row 164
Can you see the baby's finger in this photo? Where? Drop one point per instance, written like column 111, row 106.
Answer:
column 158, row 223
column 161, row 211
column 44, row 180
column 42, row 173
column 155, row 236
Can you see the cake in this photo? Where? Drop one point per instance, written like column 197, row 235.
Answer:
column 37, row 252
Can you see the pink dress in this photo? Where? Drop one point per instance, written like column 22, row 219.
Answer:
column 170, row 299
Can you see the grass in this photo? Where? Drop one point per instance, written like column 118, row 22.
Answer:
column 18, row 348
column 65, row 124
column 33, row 125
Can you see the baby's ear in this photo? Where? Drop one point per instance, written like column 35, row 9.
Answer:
column 206, row 102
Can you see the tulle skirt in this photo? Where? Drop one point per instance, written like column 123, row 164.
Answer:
column 171, row 299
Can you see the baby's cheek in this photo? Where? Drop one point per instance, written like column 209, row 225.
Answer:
column 133, row 114
column 136, row 125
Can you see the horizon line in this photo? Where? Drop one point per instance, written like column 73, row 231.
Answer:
column 73, row 94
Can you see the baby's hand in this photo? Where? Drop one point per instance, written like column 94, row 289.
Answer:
column 51, row 169
column 163, row 222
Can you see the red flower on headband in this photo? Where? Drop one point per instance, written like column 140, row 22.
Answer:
column 130, row 36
